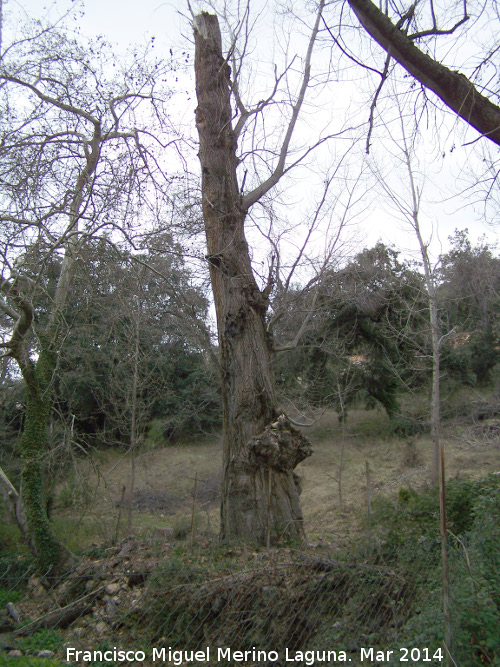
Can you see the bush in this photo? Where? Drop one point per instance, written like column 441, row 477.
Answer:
column 475, row 584
column 463, row 498
column 27, row 661
column 405, row 426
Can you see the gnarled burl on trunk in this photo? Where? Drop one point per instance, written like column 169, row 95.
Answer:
column 259, row 447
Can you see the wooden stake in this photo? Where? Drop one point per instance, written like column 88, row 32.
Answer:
column 369, row 504
column 117, row 529
column 194, row 505
column 268, row 532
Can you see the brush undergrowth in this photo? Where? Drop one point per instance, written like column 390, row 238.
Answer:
column 28, row 661
column 409, row 539
column 384, row 592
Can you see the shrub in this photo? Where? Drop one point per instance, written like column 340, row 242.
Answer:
column 476, row 585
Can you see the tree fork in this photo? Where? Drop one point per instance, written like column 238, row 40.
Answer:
column 254, row 439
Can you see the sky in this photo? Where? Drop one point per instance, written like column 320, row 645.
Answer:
column 125, row 22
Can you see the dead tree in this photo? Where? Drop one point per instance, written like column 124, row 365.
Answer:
column 260, row 447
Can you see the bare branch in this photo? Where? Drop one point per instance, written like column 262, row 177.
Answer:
column 374, row 102
column 302, row 329
column 434, row 31
column 51, row 100
column 256, row 194
column 245, row 114
column 8, row 310
column 453, row 88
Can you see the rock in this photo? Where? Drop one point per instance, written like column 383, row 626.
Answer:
column 101, row 628
column 112, row 589
column 13, row 612
column 37, row 590
column 127, row 544
column 111, row 608
column 79, row 632
column 80, row 569
column 15, row 653
column 63, row 589
column 45, row 654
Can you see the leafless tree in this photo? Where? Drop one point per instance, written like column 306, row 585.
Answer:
column 410, row 210
column 257, row 439
column 73, row 164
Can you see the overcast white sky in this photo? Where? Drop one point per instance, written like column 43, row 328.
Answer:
column 126, row 22
column 121, row 21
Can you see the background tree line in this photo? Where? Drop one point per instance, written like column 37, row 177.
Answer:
column 367, row 343
column 370, row 338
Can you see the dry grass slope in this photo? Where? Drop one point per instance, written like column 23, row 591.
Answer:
column 334, row 501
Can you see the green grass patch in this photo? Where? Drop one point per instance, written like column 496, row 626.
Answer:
column 9, row 595
column 46, row 639
column 28, row 661
column 15, row 570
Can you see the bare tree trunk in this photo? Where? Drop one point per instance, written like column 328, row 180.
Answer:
column 254, row 440
column 435, row 394
column 12, row 501
column 411, row 212
column 438, row 458
column 435, row 339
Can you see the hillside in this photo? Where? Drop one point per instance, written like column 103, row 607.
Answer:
column 366, row 580
column 90, row 499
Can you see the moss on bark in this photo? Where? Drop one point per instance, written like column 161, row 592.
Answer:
column 42, row 540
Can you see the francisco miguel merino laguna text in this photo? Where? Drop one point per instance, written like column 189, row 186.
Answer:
column 178, row 657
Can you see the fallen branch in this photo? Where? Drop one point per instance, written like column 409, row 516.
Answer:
column 61, row 618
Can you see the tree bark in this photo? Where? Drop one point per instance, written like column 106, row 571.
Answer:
column 49, row 553
column 254, row 440
column 453, row 88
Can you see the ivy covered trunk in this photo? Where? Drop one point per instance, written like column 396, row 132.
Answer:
column 43, row 543
column 260, row 495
